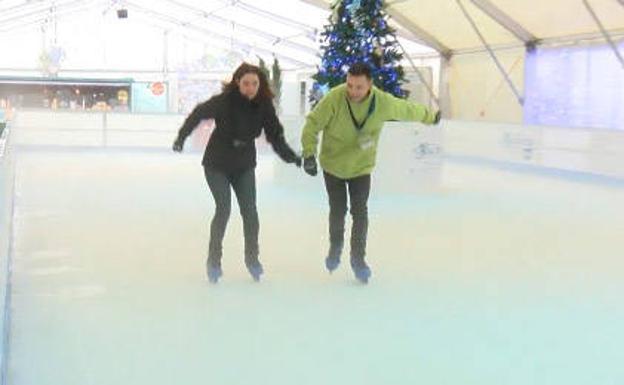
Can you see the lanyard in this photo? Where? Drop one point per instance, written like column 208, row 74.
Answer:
column 371, row 109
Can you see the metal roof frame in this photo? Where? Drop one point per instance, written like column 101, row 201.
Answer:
column 506, row 21
column 42, row 11
column 29, row 13
column 528, row 39
column 258, row 32
column 284, row 20
column 216, row 35
column 60, row 12
column 604, row 32
column 420, row 34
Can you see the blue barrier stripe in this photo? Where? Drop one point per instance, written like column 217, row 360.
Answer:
column 550, row 172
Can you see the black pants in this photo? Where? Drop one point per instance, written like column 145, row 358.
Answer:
column 244, row 185
column 358, row 189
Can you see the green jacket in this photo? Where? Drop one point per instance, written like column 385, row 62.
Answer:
column 347, row 152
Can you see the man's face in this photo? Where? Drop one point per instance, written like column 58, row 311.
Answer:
column 358, row 87
column 248, row 85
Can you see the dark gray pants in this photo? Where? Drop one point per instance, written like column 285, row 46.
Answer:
column 358, row 189
column 244, row 185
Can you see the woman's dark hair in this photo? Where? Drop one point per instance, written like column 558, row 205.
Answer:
column 359, row 69
column 264, row 90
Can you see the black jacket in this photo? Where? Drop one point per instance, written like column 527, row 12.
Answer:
column 238, row 122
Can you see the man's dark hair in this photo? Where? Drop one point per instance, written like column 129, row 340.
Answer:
column 359, row 69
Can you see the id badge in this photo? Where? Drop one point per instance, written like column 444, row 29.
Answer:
column 366, row 142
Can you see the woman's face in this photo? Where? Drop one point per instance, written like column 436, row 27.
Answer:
column 248, row 85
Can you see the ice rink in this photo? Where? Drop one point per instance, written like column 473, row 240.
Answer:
column 487, row 270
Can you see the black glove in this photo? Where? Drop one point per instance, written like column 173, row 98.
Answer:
column 285, row 152
column 178, row 145
column 309, row 165
column 291, row 157
column 437, row 117
column 297, row 161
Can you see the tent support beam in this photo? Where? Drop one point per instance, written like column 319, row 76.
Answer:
column 171, row 20
column 491, row 53
column 252, row 30
column 420, row 34
column 604, row 32
column 506, row 21
column 43, row 16
column 271, row 15
column 40, row 13
column 420, row 75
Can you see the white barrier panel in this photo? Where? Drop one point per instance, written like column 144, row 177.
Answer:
column 58, row 120
column 144, row 122
column 7, row 172
column 99, row 129
column 572, row 149
column 404, row 146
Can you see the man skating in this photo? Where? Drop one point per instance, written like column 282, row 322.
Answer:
column 351, row 117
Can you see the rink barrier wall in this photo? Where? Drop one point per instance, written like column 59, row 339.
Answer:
column 95, row 129
column 7, row 192
column 526, row 148
column 585, row 151
column 413, row 158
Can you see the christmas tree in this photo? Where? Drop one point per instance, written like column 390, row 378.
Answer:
column 358, row 31
column 274, row 77
column 276, row 80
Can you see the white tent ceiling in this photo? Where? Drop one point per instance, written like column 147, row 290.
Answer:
column 287, row 29
column 443, row 25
